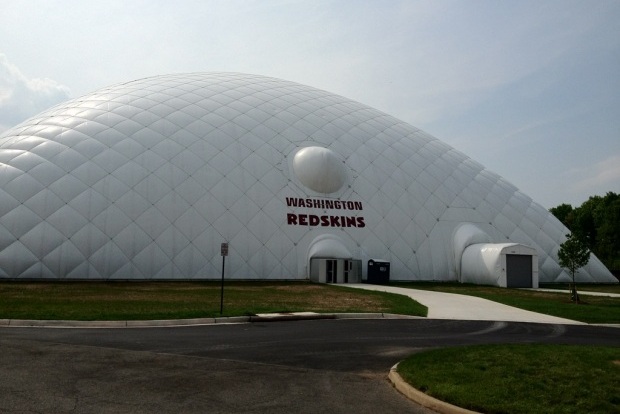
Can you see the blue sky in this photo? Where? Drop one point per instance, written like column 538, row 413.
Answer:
column 530, row 89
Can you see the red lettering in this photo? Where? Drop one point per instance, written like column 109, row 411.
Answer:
column 324, row 221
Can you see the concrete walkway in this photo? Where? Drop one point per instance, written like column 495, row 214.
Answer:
column 461, row 307
column 580, row 292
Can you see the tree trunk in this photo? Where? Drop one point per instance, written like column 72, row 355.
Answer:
column 574, row 296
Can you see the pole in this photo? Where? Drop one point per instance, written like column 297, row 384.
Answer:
column 222, row 289
column 224, row 253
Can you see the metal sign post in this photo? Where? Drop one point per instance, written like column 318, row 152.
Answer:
column 224, row 253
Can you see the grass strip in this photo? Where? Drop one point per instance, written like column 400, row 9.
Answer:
column 520, row 379
column 592, row 309
column 182, row 300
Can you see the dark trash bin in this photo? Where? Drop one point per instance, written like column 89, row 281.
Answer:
column 378, row 272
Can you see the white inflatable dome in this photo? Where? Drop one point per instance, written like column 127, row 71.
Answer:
column 145, row 180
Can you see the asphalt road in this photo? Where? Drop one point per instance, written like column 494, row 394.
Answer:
column 322, row 366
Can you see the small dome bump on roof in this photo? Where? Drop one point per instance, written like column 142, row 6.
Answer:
column 319, row 169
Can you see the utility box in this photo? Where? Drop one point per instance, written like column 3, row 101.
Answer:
column 378, row 272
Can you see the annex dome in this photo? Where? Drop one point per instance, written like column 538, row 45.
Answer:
column 145, row 180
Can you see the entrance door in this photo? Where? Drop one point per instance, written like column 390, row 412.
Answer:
column 335, row 270
column 518, row 271
column 332, row 271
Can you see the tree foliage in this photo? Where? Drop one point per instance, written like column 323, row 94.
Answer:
column 597, row 224
column 563, row 212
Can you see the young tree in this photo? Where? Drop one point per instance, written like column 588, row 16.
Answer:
column 573, row 254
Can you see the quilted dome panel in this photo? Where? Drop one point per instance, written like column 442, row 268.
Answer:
column 145, row 179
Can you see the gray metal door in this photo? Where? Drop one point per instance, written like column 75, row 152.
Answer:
column 332, row 271
column 518, row 271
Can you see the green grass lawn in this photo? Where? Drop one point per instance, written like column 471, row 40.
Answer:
column 175, row 300
column 179, row 300
column 592, row 309
column 520, row 379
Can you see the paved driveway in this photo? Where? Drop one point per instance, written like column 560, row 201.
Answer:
column 330, row 366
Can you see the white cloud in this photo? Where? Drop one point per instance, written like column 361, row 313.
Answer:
column 21, row 97
column 598, row 178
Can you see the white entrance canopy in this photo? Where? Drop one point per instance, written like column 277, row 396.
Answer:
column 500, row 264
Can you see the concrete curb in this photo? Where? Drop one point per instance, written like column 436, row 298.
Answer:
column 607, row 325
column 25, row 323
column 232, row 319
column 423, row 399
column 171, row 322
column 292, row 317
column 274, row 317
